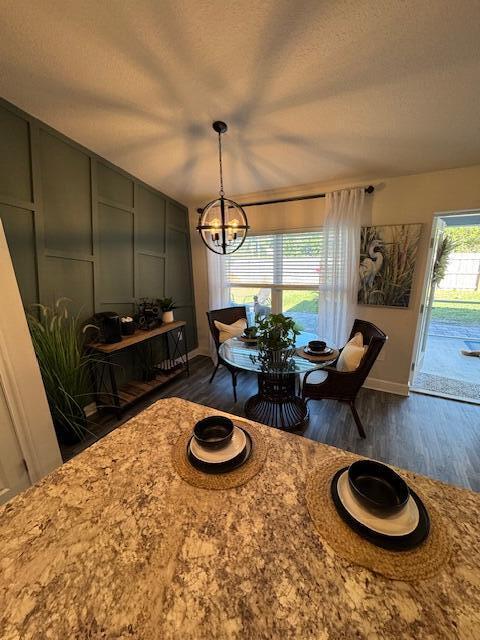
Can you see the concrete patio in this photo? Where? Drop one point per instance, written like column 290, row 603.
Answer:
column 445, row 370
column 448, row 329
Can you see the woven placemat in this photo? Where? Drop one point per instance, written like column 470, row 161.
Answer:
column 418, row 564
column 331, row 357
column 234, row 478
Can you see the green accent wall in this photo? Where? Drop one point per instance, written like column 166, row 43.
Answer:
column 78, row 226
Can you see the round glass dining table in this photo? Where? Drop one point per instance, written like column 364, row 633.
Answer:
column 276, row 403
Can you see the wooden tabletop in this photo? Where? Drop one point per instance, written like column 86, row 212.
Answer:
column 115, row 545
column 138, row 336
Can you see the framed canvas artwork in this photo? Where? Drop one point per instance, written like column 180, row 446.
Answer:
column 387, row 263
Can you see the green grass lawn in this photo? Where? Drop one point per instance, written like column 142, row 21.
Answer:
column 243, row 295
column 457, row 294
column 293, row 301
column 457, row 312
column 300, row 301
column 297, row 301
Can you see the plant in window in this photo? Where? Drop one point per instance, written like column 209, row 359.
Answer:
column 276, row 335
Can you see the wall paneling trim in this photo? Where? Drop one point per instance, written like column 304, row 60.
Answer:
column 78, row 226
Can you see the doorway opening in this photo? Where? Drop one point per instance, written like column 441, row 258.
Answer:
column 447, row 361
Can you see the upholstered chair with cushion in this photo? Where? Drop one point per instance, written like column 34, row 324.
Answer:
column 229, row 316
column 343, row 385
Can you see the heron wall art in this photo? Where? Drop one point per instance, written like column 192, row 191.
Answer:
column 387, row 264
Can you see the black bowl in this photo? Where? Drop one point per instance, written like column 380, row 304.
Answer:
column 214, row 432
column 128, row 328
column 378, row 487
column 317, row 345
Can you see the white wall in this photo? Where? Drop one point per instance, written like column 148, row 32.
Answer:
column 406, row 199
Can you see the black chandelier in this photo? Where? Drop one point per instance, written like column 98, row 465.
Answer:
column 222, row 223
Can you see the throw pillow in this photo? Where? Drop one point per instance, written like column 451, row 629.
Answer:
column 230, row 330
column 352, row 354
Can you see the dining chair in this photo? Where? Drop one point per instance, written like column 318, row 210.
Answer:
column 344, row 385
column 229, row 315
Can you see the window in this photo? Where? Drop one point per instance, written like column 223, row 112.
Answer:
column 278, row 273
column 302, row 306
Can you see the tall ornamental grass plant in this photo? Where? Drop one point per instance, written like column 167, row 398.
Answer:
column 59, row 345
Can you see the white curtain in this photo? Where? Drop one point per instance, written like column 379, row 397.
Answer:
column 339, row 265
column 218, row 293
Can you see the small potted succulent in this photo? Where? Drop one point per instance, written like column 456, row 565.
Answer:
column 276, row 335
column 167, row 306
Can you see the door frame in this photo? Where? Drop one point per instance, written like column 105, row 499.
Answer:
column 14, row 475
column 21, row 379
column 428, row 273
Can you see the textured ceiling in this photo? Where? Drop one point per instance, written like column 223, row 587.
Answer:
column 312, row 91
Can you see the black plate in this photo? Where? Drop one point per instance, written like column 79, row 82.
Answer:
column 392, row 543
column 221, row 467
column 327, row 352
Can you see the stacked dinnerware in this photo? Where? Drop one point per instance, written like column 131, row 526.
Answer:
column 317, row 348
column 218, row 445
column 379, row 505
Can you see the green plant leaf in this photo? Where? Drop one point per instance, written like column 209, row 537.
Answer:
column 59, row 345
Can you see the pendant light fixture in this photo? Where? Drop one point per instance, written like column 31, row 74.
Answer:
column 222, row 223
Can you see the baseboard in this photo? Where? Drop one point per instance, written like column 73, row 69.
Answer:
column 397, row 388
column 199, row 352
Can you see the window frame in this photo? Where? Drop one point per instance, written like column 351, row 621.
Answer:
column 277, row 289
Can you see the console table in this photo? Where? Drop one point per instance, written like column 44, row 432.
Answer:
column 118, row 397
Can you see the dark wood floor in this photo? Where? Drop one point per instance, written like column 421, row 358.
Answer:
column 432, row 436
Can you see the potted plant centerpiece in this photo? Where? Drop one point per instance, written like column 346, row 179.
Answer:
column 167, row 306
column 59, row 346
column 276, row 335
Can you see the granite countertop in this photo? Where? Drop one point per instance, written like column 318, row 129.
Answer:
column 115, row 545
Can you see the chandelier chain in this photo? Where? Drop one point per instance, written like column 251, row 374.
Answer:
column 222, row 192
column 222, row 223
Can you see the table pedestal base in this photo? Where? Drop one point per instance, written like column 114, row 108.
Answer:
column 276, row 403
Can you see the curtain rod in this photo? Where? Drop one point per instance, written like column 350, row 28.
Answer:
column 369, row 189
